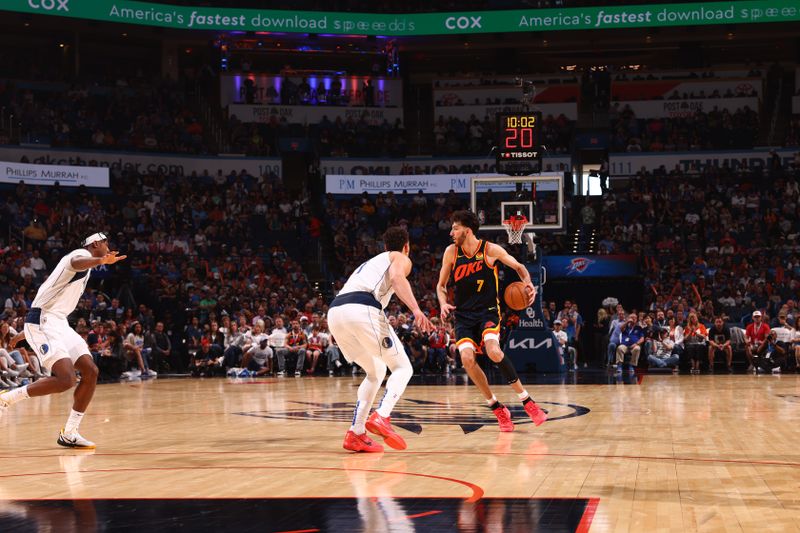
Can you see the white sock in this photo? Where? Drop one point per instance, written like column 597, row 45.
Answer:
column 490, row 402
column 524, row 394
column 15, row 395
column 366, row 396
column 73, row 422
column 395, row 386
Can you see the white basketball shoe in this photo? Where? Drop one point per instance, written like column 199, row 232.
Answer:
column 74, row 441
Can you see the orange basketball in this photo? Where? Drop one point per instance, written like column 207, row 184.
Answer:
column 515, row 296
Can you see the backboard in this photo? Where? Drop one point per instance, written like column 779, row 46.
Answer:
column 540, row 198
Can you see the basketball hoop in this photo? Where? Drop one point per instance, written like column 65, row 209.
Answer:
column 515, row 225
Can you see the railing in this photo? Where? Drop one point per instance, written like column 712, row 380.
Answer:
column 9, row 124
column 216, row 132
column 776, row 113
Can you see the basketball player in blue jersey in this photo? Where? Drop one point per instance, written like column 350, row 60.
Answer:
column 357, row 321
column 59, row 348
column 471, row 264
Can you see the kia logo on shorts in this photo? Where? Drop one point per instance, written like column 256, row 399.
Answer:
column 50, row 5
column 462, row 23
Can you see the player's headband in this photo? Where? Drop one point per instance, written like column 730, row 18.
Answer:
column 99, row 236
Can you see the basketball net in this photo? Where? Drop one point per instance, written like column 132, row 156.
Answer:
column 515, row 226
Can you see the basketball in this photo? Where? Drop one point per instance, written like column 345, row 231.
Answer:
column 515, row 296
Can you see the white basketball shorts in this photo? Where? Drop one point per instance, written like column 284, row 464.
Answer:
column 363, row 331
column 52, row 339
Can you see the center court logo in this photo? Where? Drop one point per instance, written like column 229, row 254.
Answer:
column 50, row 5
column 413, row 415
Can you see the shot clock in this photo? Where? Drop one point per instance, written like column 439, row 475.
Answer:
column 518, row 144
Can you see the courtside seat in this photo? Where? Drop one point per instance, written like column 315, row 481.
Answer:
column 737, row 344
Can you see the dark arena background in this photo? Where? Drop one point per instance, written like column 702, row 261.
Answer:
column 247, row 157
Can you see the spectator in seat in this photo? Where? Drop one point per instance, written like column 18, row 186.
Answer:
column 217, row 339
column 297, row 344
column 770, row 355
column 136, row 352
column 258, row 355
column 661, row 350
column 316, row 346
column 784, row 336
column 97, row 340
column 563, row 346
column 755, row 337
column 438, row 342
column 719, row 341
column 236, row 342
column 631, row 338
column 695, row 338
column 614, row 327
column 277, row 341
column 675, row 336
column 112, row 359
column 202, row 362
column 192, row 335
column 161, row 348
column 333, row 355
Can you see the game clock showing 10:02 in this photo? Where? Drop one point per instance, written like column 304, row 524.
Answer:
column 518, row 136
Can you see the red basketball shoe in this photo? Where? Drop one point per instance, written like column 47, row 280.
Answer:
column 360, row 443
column 383, row 426
column 537, row 415
column 504, row 417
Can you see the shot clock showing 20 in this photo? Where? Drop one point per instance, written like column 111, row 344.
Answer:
column 518, row 145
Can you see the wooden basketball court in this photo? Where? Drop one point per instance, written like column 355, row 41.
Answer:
column 657, row 453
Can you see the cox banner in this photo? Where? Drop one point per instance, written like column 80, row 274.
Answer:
column 426, row 165
column 142, row 162
column 628, row 164
column 66, row 176
column 687, row 108
column 501, row 21
column 299, row 114
column 591, row 266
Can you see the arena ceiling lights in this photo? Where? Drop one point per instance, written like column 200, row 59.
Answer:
column 588, row 18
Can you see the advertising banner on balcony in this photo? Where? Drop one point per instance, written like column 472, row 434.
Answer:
column 293, row 114
column 65, row 176
column 590, row 266
column 426, row 165
column 465, row 112
column 700, row 89
column 686, row 108
column 312, row 89
column 628, row 164
column 142, row 163
column 401, row 24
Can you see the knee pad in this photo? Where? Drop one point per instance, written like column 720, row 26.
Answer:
column 507, row 369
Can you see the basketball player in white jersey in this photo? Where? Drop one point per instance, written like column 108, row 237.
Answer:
column 357, row 321
column 59, row 348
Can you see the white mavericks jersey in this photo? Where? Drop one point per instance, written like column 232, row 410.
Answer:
column 63, row 288
column 373, row 277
